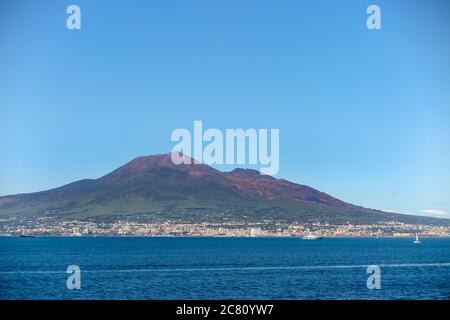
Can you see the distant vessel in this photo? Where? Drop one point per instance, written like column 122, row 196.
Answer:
column 417, row 241
column 311, row 237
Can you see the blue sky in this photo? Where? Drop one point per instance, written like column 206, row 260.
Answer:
column 363, row 115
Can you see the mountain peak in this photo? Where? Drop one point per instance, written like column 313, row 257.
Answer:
column 144, row 164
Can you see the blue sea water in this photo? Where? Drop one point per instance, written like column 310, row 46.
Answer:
column 223, row 268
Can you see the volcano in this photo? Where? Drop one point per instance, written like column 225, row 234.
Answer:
column 155, row 188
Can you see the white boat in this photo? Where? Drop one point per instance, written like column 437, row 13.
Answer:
column 417, row 241
column 311, row 237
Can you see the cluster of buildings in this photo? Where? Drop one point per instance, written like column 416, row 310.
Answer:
column 50, row 226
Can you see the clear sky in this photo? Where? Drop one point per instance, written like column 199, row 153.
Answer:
column 363, row 115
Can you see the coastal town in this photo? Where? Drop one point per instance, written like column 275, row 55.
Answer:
column 49, row 226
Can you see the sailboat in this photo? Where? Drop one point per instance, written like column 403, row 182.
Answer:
column 417, row 241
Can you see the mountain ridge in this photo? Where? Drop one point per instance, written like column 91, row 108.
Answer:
column 156, row 187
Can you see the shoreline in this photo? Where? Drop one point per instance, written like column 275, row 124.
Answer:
column 218, row 236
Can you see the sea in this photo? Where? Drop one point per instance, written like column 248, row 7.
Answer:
column 223, row 268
